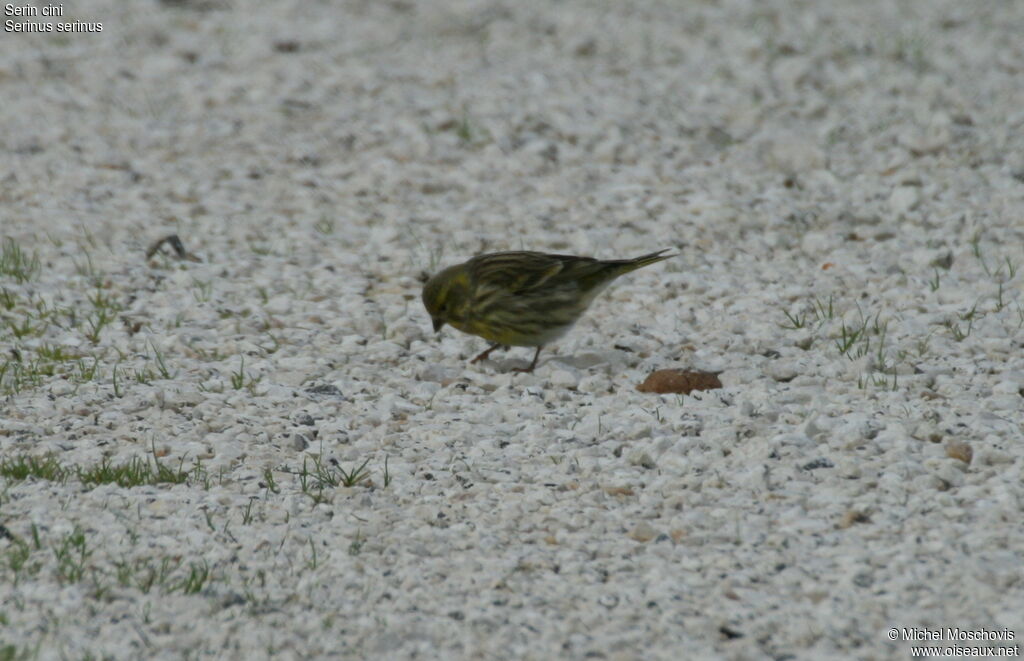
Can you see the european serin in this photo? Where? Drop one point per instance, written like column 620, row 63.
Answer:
column 523, row 299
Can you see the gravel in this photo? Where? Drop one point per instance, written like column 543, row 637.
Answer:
column 843, row 184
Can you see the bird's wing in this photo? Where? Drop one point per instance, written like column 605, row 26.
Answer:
column 520, row 273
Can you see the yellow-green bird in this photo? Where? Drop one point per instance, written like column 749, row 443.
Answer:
column 523, row 299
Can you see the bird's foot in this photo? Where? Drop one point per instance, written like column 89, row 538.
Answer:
column 528, row 370
column 483, row 355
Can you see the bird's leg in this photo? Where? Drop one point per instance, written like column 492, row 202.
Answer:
column 483, row 356
column 527, row 370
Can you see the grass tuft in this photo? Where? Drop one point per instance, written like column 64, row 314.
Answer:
column 132, row 473
column 16, row 263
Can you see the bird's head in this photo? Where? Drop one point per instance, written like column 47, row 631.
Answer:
column 446, row 294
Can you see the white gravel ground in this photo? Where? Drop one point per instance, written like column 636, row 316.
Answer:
column 843, row 182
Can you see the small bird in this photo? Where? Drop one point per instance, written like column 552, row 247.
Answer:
column 523, row 299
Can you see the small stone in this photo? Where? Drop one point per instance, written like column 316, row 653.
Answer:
column 904, row 199
column 852, row 517
column 608, row 147
column 643, row 532
column 642, row 459
column 279, row 305
column 594, row 383
column 299, row 442
column 783, row 371
column 303, row 418
column 863, row 579
column 933, row 139
column 819, row 243
column 927, row 431
column 585, row 48
column 951, row 476
column 325, row 389
column 943, row 261
column 959, row 450
column 792, row 154
column 821, row 462
column 61, row 388
column 1008, row 388
column 442, row 374
column 564, row 379
column 993, row 457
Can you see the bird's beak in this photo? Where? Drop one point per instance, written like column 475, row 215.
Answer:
column 438, row 323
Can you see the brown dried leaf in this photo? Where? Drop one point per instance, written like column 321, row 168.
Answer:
column 679, row 381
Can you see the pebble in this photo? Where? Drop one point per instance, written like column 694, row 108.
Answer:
column 366, row 490
column 904, row 199
column 564, row 379
column 643, row 532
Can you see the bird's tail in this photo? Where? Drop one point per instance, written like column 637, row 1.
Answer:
column 627, row 265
